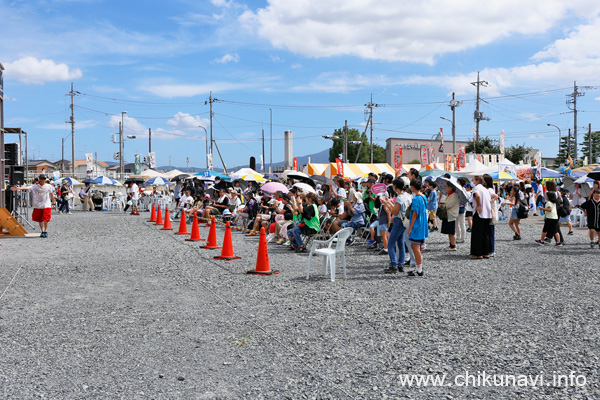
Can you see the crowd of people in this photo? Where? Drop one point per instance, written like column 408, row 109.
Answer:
column 394, row 222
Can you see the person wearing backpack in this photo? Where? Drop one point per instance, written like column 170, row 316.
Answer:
column 564, row 215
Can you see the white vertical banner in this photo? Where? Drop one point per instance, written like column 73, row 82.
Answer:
column 538, row 165
column 89, row 160
column 151, row 159
column 262, row 164
column 502, row 142
column 210, row 161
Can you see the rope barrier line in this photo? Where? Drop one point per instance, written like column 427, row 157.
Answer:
column 252, row 322
column 10, row 283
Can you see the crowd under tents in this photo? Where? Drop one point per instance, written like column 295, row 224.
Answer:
column 350, row 170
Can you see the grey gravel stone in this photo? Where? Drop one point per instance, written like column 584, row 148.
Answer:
column 108, row 299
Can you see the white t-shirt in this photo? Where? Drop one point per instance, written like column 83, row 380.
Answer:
column 404, row 200
column 41, row 195
column 486, row 204
column 184, row 199
column 135, row 192
column 341, row 192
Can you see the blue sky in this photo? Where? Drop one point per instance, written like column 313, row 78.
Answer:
column 314, row 63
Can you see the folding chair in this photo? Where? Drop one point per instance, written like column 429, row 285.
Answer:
column 329, row 252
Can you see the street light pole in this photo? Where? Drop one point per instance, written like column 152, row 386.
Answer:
column 559, row 135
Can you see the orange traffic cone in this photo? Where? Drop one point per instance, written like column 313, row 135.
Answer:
column 168, row 226
column 227, row 252
column 195, row 237
column 211, row 244
column 152, row 214
column 262, row 259
column 159, row 220
column 183, row 225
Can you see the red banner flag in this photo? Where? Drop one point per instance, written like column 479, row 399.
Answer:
column 462, row 155
column 295, row 164
column 398, row 157
column 431, row 155
column 340, row 166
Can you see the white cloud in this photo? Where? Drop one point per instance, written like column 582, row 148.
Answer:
column 401, row 31
column 182, row 125
column 185, row 121
column 32, row 70
column 191, row 90
column 78, row 124
column 227, row 58
column 574, row 58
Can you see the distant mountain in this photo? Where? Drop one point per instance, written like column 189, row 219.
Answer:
column 321, row 157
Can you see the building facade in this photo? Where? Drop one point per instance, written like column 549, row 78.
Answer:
column 411, row 149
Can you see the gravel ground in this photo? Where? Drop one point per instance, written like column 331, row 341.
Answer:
column 110, row 307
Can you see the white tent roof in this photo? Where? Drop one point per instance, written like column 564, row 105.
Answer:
column 474, row 168
column 173, row 173
column 505, row 162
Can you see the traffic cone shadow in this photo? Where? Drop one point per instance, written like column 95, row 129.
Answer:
column 227, row 252
column 262, row 258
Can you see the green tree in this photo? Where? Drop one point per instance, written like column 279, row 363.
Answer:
column 365, row 154
column 561, row 157
column 484, row 145
column 585, row 146
column 517, row 153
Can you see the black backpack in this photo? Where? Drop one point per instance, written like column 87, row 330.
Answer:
column 562, row 206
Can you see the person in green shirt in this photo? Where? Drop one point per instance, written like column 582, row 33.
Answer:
column 310, row 224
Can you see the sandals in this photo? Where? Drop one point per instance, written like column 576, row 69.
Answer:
column 477, row 258
column 301, row 249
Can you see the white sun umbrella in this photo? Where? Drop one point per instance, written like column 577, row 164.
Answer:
column 584, row 182
column 72, row 181
column 243, row 172
column 443, row 183
column 106, row 181
column 306, row 188
column 157, row 180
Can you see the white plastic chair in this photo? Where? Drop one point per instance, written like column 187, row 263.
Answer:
column 329, row 252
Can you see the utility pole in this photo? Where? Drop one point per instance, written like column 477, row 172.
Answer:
column 271, row 140
column 478, row 116
column 72, row 122
column 370, row 106
column 453, row 105
column 149, row 141
column 345, row 148
column 210, row 101
column 264, row 161
column 572, row 99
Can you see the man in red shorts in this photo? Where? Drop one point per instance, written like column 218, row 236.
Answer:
column 42, row 201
